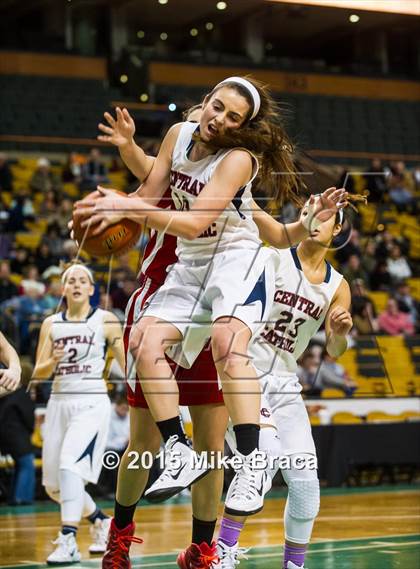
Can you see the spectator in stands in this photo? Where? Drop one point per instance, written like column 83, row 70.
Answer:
column 54, row 295
column 354, row 270
column 94, row 172
column 380, row 279
column 28, row 310
column 331, row 374
column 43, row 179
column 7, row 288
column 393, row 322
column 72, row 171
column 61, row 217
column 43, row 257
column 352, row 247
column 30, row 277
column 397, row 265
column 401, row 187
column 363, row 310
column 21, row 211
column 70, row 250
column 6, row 176
column 307, row 372
column 54, row 239
column 376, row 182
column 406, row 303
column 50, row 203
column 385, row 242
column 17, row 418
column 368, row 259
column 19, row 260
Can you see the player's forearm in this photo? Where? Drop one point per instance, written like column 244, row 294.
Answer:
column 136, row 160
column 188, row 225
column 276, row 234
column 10, row 358
column 336, row 345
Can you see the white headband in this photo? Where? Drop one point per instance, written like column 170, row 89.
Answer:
column 251, row 90
column 77, row 266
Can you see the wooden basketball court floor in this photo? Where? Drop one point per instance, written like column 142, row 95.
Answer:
column 356, row 529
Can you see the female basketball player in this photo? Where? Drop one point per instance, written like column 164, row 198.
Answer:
column 308, row 291
column 221, row 273
column 206, row 405
column 72, row 349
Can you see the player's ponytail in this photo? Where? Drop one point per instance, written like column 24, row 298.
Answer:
column 266, row 137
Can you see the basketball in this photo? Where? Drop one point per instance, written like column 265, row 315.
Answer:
column 116, row 239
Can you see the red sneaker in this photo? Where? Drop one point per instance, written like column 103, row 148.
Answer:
column 198, row 556
column 118, row 547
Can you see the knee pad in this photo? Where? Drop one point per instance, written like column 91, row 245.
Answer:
column 53, row 493
column 303, row 499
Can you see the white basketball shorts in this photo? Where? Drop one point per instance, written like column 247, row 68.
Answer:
column 75, row 435
column 236, row 283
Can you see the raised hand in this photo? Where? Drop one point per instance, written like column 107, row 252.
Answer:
column 340, row 321
column 119, row 131
column 321, row 207
column 102, row 211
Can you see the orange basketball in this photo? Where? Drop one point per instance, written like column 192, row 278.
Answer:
column 116, row 239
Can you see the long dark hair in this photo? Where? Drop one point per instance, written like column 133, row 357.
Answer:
column 266, row 137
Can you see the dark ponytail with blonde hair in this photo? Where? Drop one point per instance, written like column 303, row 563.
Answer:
column 266, row 137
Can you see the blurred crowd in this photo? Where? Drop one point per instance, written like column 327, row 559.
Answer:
column 30, row 277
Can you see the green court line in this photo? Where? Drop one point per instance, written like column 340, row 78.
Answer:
column 48, row 506
column 342, row 554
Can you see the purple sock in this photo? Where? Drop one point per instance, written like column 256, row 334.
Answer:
column 296, row 554
column 230, row 531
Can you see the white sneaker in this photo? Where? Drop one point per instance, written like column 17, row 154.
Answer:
column 66, row 551
column 181, row 470
column 291, row 565
column 99, row 532
column 250, row 484
column 229, row 556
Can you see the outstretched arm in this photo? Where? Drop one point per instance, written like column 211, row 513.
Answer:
column 231, row 174
column 338, row 321
column 120, row 132
column 275, row 233
column 282, row 235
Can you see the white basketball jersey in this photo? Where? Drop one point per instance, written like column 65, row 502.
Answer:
column 235, row 226
column 298, row 311
column 81, row 370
